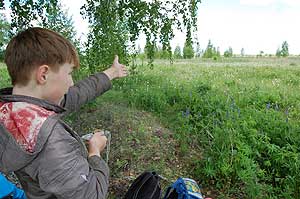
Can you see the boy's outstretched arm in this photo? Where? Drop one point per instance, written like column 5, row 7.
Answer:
column 92, row 87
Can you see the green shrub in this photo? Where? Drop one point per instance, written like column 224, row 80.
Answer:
column 188, row 52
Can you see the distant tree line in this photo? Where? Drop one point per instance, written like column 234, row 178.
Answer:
column 189, row 51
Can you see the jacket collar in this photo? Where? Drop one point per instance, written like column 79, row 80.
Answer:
column 7, row 96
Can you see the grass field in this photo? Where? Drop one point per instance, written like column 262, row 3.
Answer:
column 231, row 124
column 4, row 78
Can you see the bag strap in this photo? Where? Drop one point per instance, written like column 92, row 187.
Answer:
column 143, row 182
column 168, row 192
column 157, row 185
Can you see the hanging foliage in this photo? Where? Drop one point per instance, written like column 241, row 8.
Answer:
column 25, row 12
column 117, row 24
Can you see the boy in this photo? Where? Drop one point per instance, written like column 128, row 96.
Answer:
column 47, row 156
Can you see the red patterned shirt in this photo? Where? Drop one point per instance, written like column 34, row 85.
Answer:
column 23, row 120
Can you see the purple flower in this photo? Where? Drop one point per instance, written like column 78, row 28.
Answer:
column 287, row 111
column 187, row 112
column 287, row 115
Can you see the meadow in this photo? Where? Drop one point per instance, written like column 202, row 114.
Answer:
column 231, row 124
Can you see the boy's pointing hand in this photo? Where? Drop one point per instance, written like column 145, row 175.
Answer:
column 117, row 70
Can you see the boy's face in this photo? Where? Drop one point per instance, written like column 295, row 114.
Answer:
column 58, row 83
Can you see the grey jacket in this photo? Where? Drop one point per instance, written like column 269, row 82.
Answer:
column 59, row 167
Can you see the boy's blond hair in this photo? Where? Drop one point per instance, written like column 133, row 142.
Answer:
column 35, row 47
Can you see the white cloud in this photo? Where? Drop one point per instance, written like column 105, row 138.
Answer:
column 265, row 3
column 251, row 29
column 291, row 3
column 257, row 2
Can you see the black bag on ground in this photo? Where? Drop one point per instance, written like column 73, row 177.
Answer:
column 145, row 186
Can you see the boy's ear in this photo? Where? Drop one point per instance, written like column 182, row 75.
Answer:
column 42, row 73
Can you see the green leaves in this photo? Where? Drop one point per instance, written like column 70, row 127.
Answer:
column 26, row 11
column 4, row 31
column 108, row 34
column 116, row 25
column 57, row 19
column 4, row 35
column 1, row 4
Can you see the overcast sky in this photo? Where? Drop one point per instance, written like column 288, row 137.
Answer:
column 251, row 24
column 255, row 25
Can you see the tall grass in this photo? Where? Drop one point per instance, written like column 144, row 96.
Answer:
column 243, row 120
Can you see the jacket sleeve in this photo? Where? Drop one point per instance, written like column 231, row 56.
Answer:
column 64, row 172
column 85, row 90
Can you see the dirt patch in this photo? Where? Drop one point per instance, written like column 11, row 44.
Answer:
column 139, row 143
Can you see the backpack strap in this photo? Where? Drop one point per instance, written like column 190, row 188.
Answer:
column 168, row 192
column 148, row 176
column 157, row 185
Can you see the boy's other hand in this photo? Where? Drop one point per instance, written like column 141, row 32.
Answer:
column 97, row 143
column 117, row 70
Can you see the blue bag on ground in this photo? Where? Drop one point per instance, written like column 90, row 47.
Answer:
column 9, row 189
column 184, row 188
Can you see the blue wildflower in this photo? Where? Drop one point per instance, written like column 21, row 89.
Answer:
column 287, row 112
column 187, row 112
column 268, row 105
